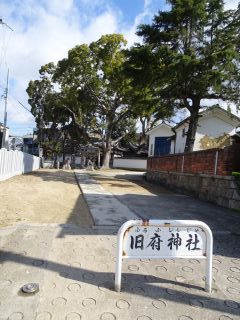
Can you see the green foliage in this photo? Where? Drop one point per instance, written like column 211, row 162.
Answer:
column 190, row 53
column 51, row 148
column 236, row 174
column 87, row 95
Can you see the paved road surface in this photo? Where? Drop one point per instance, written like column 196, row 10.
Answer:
column 74, row 266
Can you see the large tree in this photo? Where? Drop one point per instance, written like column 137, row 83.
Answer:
column 94, row 76
column 193, row 54
column 146, row 104
column 58, row 128
column 87, row 92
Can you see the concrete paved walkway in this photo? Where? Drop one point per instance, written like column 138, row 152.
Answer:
column 75, row 270
column 106, row 209
column 169, row 205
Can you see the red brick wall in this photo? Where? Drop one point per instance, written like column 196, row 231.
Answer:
column 199, row 161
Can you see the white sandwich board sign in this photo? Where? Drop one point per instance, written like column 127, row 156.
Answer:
column 161, row 239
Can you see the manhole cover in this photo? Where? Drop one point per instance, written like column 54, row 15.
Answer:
column 30, row 288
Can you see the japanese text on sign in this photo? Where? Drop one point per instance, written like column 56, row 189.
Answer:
column 164, row 241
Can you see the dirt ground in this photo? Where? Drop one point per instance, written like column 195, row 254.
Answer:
column 117, row 182
column 53, row 196
column 43, row 196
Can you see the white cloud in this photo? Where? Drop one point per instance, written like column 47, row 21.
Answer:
column 45, row 30
column 147, row 3
column 130, row 33
column 231, row 4
column 103, row 24
column 59, row 7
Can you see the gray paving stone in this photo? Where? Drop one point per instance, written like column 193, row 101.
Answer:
column 75, row 267
column 76, row 278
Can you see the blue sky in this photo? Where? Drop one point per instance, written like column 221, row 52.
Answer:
column 44, row 31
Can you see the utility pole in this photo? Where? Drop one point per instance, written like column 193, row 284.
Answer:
column 5, row 96
column 5, row 113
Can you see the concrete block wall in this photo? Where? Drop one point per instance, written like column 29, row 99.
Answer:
column 139, row 164
column 222, row 190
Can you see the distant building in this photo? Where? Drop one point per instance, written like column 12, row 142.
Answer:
column 4, row 136
column 15, row 143
column 217, row 128
column 30, row 144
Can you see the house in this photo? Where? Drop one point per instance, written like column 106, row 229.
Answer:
column 161, row 140
column 215, row 129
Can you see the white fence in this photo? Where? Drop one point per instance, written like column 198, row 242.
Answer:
column 130, row 163
column 13, row 163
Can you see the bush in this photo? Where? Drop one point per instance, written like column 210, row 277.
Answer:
column 236, row 174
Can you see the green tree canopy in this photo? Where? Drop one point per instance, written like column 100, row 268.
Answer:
column 192, row 54
column 90, row 95
column 56, row 124
column 85, row 94
column 93, row 74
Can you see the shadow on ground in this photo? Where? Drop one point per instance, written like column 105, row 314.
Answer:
column 54, row 175
column 165, row 205
column 134, row 284
column 162, row 204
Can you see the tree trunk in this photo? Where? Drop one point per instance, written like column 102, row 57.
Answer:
column 107, row 144
column 143, row 138
column 192, row 128
column 83, row 157
column 63, row 147
column 106, row 157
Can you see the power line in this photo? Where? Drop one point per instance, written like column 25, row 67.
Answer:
column 4, row 23
column 24, row 106
column 23, row 128
column 21, row 104
column 24, row 125
column 12, row 100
